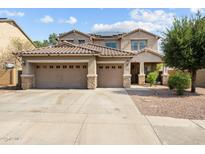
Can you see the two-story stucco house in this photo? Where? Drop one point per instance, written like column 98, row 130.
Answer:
column 83, row 60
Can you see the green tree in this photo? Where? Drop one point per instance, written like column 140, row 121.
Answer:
column 184, row 45
column 52, row 40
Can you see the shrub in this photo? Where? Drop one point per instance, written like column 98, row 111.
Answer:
column 171, row 82
column 152, row 77
column 179, row 81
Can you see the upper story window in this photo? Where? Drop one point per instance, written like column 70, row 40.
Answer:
column 138, row 44
column 70, row 41
column 81, row 41
column 111, row 44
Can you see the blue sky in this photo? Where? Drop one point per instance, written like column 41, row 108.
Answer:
column 39, row 23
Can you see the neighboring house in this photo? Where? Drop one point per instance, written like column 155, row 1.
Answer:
column 10, row 35
column 89, row 60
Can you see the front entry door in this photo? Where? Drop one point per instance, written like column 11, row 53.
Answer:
column 134, row 73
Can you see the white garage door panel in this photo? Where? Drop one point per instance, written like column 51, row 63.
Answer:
column 110, row 75
column 61, row 75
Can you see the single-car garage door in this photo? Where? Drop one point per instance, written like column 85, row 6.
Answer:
column 61, row 75
column 110, row 75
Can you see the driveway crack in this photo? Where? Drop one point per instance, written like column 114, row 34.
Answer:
column 80, row 129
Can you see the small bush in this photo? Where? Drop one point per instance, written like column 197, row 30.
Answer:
column 171, row 82
column 179, row 81
column 152, row 77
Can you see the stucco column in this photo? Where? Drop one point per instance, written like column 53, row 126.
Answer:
column 141, row 76
column 165, row 75
column 127, row 75
column 92, row 75
column 27, row 77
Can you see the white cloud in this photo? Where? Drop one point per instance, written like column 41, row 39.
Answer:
column 122, row 26
column 47, row 19
column 195, row 10
column 72, row 20
column 157, row 16
column 12, row 13
column 153, row 21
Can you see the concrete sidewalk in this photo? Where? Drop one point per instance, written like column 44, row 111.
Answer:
column 178, row 131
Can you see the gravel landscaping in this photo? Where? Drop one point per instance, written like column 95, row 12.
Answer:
column 160, row 101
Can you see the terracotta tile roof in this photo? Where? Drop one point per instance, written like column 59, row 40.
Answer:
column 66, row 48
column 106, row 51
column 57, row 50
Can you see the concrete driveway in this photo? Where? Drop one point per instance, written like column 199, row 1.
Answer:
column 101, row 116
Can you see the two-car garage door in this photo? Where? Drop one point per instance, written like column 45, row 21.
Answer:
column 75, row 75
column 61, row 75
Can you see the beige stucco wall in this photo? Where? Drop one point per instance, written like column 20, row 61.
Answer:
column 75, row 36
column 126, row 40
column 200, row 78
column 9, row 32
column 147, row 57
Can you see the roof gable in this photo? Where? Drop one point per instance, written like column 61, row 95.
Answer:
column 74, row 31
column 147, row 55
column 141, row 30
column 150, row 51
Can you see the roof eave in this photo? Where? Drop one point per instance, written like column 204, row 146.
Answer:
column 114, row 56
column 53, row 55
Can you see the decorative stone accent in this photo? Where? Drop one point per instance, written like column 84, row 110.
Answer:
column 141, row 79
column 165, row 78
column 126, row 80
column 91, row 81
column 27, row 81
